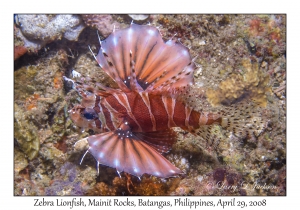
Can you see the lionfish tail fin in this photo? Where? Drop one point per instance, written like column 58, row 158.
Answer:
column 211, row 134
column 244, row 120
column 138, row 59
column 126, row 152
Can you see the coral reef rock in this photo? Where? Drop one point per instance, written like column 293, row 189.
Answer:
column 104, row 23
column 139, row 18
column 38, row 30
column 251, row 83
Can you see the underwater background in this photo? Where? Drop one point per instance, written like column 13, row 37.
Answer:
column 239, row 57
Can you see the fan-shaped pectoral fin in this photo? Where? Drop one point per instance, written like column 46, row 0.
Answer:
column 123, row 150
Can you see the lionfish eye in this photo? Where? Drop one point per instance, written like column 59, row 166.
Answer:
column 89, row 114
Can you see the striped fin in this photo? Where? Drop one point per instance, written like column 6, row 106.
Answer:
column 126, row 152
column 138, row 59
column 244, row 119
column 211, row 135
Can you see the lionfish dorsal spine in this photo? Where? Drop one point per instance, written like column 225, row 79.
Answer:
column 138, row 59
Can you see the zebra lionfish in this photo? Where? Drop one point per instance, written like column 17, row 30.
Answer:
column 134, row 122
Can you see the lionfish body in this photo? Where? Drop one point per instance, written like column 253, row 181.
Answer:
column 134, row 122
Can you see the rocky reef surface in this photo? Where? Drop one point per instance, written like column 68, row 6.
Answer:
column 239, row 57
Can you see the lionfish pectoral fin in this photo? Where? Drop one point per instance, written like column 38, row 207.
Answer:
column 126, row 152
column 162, row 141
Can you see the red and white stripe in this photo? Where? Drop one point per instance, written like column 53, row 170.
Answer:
column 148, row 112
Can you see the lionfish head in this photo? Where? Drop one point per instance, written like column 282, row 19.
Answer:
column 83, row 117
